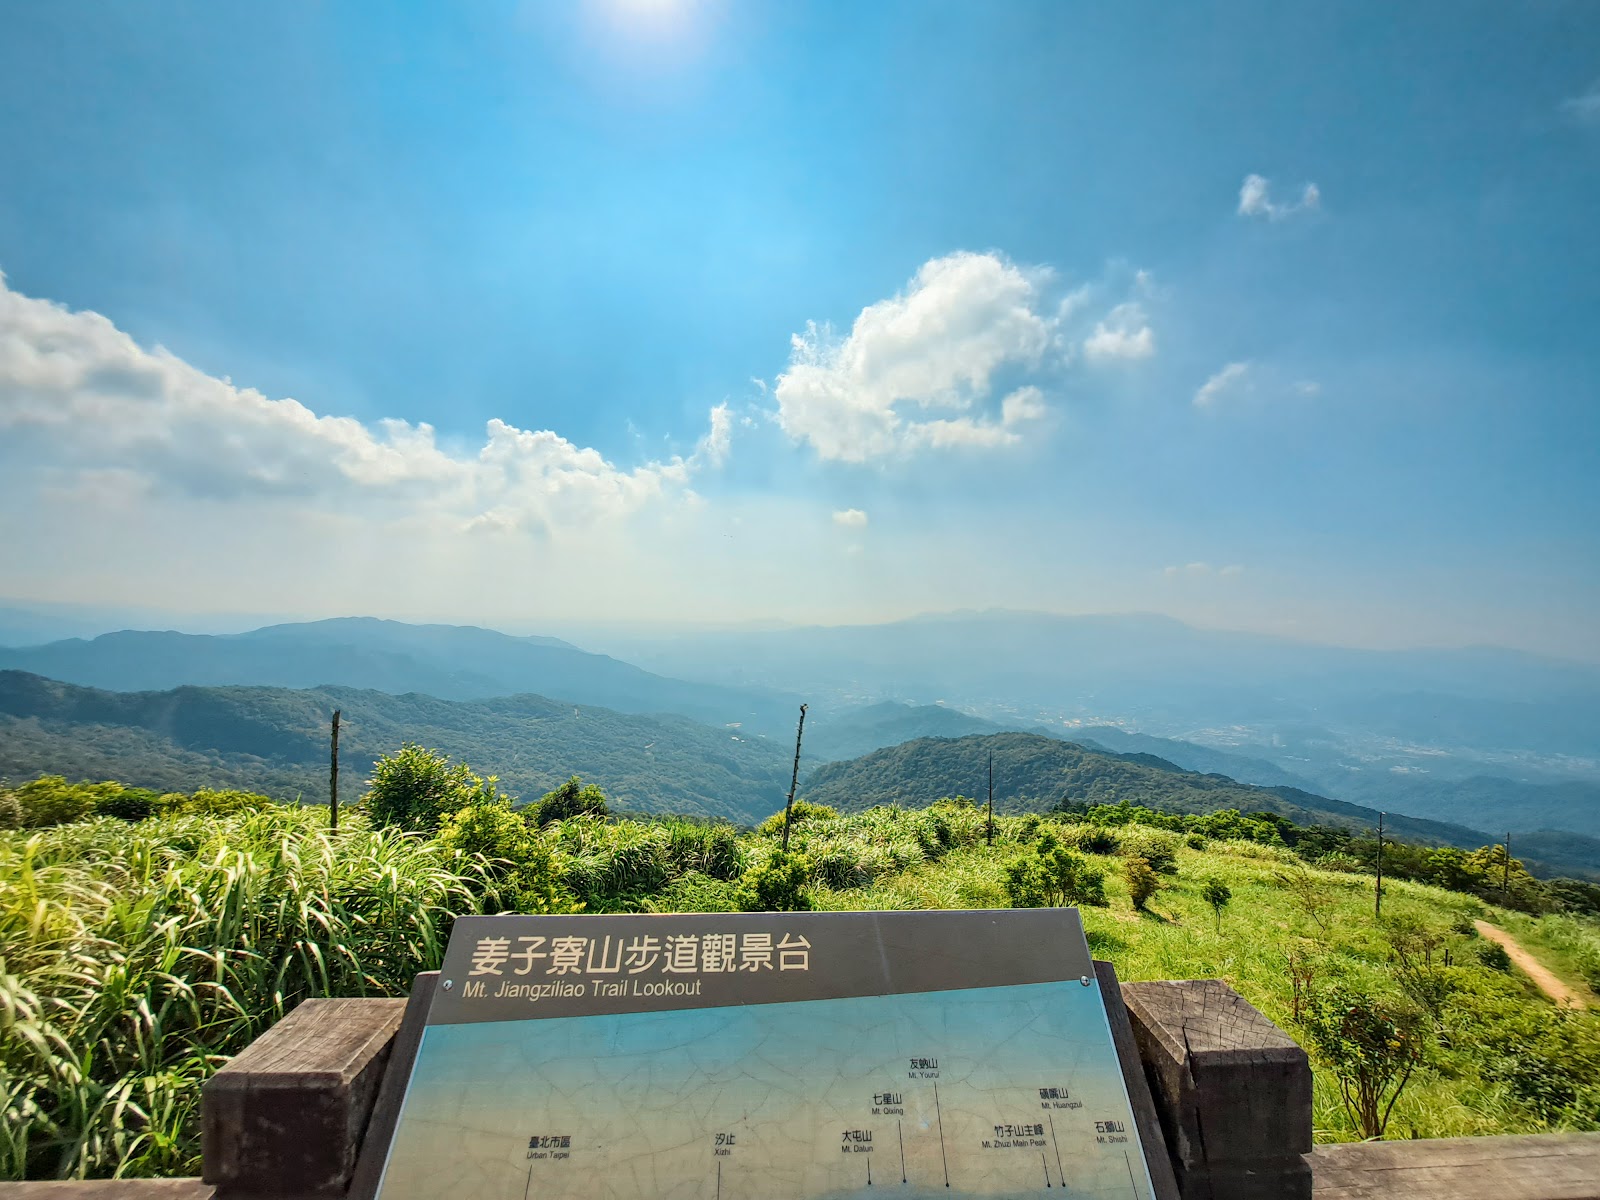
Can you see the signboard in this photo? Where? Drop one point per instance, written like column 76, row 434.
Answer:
column 785, row 1056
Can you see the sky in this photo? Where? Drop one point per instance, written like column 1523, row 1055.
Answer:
column 1268, row 316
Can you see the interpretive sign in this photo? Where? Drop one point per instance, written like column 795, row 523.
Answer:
column 785, row 1056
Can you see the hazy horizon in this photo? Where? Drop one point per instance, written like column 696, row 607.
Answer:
column 65, row 622
column 540, row 316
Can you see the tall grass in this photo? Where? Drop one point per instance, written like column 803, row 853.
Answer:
column 135, row 958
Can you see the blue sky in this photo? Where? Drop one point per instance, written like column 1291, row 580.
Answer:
column 1268, row 316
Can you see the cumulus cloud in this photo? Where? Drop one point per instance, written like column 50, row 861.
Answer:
column 1584, row 107
column 1124, row 334
column 850, row 518
column 77, row 392
column 918, row 370
column 1255, row 200
column 1228, row 379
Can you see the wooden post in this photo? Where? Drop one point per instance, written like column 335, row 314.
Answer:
column 333, row 778
column 1505, row 876
column 1377, row 895
column 989, row 836
column 794, row 780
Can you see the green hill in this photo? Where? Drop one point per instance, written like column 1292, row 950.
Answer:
column 1035, row 773
column 275, row 740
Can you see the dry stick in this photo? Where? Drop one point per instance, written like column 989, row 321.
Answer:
column 1505, row 878
column 333, row 778
column 1377, row 895
column 989, row 837
column 794, row 780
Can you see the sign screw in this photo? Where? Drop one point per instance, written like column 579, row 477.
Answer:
column 450, row 983
column 1083, row 979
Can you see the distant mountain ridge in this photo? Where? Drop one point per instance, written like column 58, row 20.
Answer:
column 1034, row 772
column 276, row 740
column 447, row 661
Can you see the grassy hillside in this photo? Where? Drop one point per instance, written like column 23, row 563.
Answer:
column 275, row 740
column 242, row 915
column 1034, row 773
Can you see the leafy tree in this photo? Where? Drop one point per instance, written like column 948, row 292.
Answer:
column 1143, row 882
column 415, row 788
column 571, row 799
column 1053, row 877
column 1217, row 894
column 1373, row 1047
column 777, row 885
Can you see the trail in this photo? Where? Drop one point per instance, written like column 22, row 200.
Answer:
column 1563, row 995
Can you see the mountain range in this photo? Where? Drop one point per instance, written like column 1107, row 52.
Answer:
column 1489, row 739
column 276, row 740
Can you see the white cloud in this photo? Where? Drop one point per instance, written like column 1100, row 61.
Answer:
column 1255, row 200
column 718, row 440
column 1225, row 380
column 936, row 348
column 78, row 393
column 1586, row 106
column 850, row 518
column 1124, row 334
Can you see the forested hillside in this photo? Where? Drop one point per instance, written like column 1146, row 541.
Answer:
column 275, row 740
column 1034, row 773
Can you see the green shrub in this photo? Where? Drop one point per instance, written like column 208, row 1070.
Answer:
column 1195, row 841
column 802, row 812
column 613, row 867
column 1373, row 1047
column 710, row 849
column 695, row 892
column 776, row 885
column 1218, row 895
column 1143, row 882
column 1494, row 956
column 223, row 802
column 51, row 800
column 571, row 799
column 1158, row 848
column 1053, row 877
column 518, row 872
column 415, row 789
column 1095, row 839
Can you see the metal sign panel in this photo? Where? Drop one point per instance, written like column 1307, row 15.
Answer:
column 786, row 1056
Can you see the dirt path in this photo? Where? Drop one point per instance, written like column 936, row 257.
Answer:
column 1536, row 970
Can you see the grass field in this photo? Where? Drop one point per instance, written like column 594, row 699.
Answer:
column 138, row 955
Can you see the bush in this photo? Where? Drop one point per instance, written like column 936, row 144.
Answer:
column 571, row 799
column 51, row 800
column 1493, row 955
column 802, row 811
column 1053, row 877
column 518, row 871
column 1373, row 1046
column 776, row 885
column 211, row 802
column 1095, row 839
column 1195, row 841
column 1143, row 882
column 415, row 789
column 696, row 892
column 708, row 849
column 1218, row 895
column 1157, row 847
